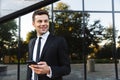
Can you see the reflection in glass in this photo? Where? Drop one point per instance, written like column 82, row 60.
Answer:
column 117, row 5
column 74, row 4
column 100, row 5
column 104, row 52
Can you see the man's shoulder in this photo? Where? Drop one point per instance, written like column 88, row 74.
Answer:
column 32, row 40
column 60, row 38
column 57, row 37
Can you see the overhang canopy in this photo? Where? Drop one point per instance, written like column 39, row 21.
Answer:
column 10, row 9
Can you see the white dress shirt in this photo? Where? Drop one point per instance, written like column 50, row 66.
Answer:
column 43, row 40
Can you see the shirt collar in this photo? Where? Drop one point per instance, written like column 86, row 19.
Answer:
column 44, row 36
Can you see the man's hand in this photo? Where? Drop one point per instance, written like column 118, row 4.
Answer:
column 41, row 68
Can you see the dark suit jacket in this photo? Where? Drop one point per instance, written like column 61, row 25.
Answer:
column 55, row 53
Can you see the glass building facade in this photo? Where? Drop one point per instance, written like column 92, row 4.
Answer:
column 95, row 53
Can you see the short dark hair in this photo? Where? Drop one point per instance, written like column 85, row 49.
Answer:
column 39, row 12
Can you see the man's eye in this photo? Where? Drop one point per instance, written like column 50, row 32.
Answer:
column 46, row 20
column 40, row 21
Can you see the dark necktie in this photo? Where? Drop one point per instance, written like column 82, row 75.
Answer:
column 38, row 50
column 37, row 56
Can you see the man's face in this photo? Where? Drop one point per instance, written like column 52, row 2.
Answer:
column 41, row 24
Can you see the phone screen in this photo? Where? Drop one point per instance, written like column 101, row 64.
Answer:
column 31, row 62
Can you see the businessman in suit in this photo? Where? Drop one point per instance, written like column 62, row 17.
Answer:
column 53, row 61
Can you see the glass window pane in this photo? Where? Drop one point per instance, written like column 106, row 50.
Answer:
column 8, row 51
column 104, row 63
column 23, row 71
column 74, row 4
column 99, row 5
column 105, row 18
column 10, row 73
column 117, row 23
column 117, row 27
column 117, row 5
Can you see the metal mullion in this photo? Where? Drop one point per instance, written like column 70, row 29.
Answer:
column 114, row 40
column 84, row 47
column 85, row 11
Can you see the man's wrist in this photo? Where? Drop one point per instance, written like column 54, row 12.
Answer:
column 49, row 74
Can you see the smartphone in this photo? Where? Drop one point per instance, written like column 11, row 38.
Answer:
column 31, row 62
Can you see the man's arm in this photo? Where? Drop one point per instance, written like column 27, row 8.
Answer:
column 63, row 58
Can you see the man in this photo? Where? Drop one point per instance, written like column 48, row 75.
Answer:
column 53, row 62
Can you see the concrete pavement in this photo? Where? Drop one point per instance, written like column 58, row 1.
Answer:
column 102, row 72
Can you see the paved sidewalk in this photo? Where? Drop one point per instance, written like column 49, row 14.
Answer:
column 102, row 72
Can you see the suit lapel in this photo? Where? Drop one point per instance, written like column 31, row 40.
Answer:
column 46, row 46
column 32, row 48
